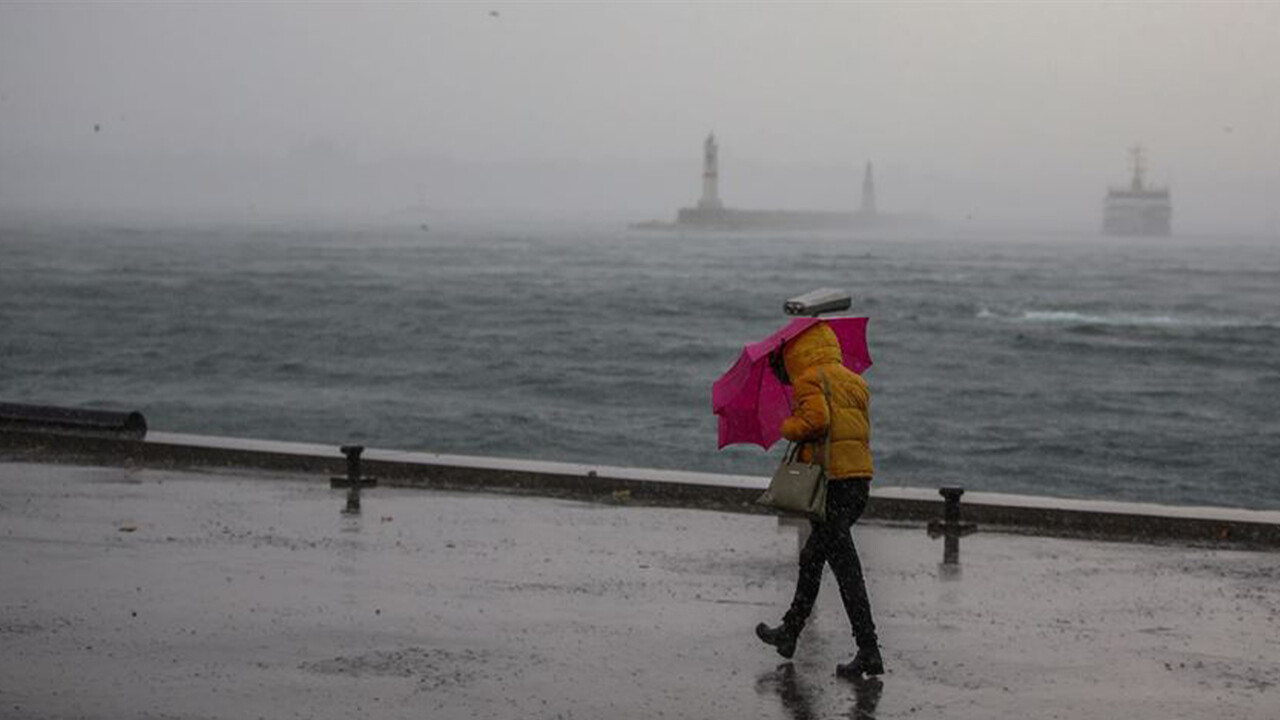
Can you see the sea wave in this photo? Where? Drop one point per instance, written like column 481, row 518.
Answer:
column 1124, row 319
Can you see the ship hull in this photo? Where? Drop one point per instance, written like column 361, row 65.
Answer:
column 1153, row 218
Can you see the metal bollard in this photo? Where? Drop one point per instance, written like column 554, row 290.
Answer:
column 950, row 527
column 353, row 482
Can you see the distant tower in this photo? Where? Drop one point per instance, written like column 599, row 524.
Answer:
column 868, row 192
column 710, row 175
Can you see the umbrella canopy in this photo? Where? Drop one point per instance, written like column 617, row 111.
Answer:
column 749, row 400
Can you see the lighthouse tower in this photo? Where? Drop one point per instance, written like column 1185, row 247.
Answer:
column 710, row 175
column 868, row 192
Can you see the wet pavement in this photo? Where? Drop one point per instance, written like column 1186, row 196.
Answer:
column 143, row 593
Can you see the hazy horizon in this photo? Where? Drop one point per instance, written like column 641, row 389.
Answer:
column 997, row 114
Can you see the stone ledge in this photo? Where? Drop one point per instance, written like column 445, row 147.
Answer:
column 734, row 493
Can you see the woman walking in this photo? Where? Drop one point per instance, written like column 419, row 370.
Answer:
column 808, row 362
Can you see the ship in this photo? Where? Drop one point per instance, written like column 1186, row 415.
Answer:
column 1139, row 209
column 710, row 212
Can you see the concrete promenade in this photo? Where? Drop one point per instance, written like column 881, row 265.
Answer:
column 147, row 593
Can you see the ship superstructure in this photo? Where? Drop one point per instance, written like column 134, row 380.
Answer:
column 1139, row 209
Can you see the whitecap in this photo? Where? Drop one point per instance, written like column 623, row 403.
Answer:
column 1072, row 317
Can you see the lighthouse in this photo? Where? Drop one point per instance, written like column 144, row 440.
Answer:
column 710, row 175
column 710, row 212
column 868, row 192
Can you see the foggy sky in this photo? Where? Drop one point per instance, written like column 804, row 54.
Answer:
column 1007, row 113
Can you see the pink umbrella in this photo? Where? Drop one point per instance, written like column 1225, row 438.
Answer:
column 749, row 399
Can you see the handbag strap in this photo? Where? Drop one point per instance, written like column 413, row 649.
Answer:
column 831, row 420
column 793, row 449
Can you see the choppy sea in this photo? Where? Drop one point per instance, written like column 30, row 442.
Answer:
column 1064, row 365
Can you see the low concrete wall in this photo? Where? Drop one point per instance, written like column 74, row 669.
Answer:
column 733, row 493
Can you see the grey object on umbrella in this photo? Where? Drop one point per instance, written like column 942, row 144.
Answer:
column 816, row 302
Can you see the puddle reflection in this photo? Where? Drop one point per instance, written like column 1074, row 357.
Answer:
column 800, row 699
column 866, row 697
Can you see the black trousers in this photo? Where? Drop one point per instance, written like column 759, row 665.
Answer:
column 831, row 543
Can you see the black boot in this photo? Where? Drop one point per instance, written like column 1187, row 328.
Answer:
column 866, row 662
column 781, row 638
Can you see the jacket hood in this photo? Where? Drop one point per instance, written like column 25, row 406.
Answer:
column 816, row 346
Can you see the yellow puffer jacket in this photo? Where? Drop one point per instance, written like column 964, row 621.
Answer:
column 808, row 357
